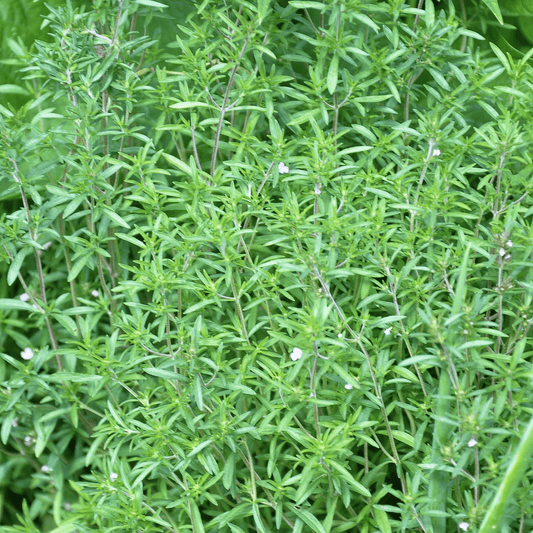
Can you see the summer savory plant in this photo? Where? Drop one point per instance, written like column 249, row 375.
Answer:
column 266, row 266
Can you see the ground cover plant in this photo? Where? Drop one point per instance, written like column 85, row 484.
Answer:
column 265, row 266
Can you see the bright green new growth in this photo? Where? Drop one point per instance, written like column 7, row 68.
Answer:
column 266, row 266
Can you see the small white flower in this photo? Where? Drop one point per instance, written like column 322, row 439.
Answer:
column 283, row 169
column 67, row 506
column 28, row 440
column 387, row 331
column 113, row 476
column 24, row 297
column 509, row 244
column 317, row 189
column 296, row 354
column 339, row 335
column 45, row 468
column 464, row 526
column 15, row 423
column 507, row 257
column 312, row 395
column 435, row 153
column 348, row 386
column 47, row 245
column 27, row 354
column 501, row 252
column 472, row 442
column 95, row 293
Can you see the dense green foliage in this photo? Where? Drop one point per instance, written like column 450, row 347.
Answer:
column 267, row 267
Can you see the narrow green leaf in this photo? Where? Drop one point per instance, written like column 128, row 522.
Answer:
column 430, row 13
column 7, row 424
column 9, row 88
column 6, row 303
column 348, row 378
column 365, row 19
column 262, row 8
column 383, row 520
column 309, row 519
column 495, row 8
column 165, row 374
column 14, row 268
column 305, row 116
column 200, row 447
column 257, row 518
column 515, row 472
column 501, row 56
column 115, row 217
column 308, row 5
column 67, row 526
column 439, row 78
column 187, row 105
column 197, row 524
column 77, row 266
column 333, row 74
column 174, row 161
column 198, row 393
column 350, row 479
column 228, row 479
